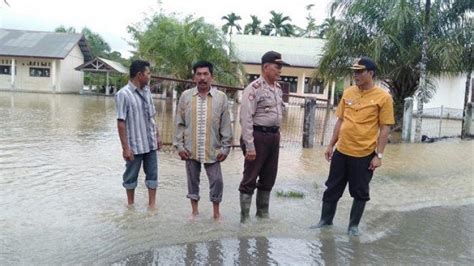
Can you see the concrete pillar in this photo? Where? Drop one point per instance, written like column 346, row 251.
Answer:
column 53, row 75
column 300, row 87
column 468, row 121
column 107, row 83
column 309, row 123
column 13, row 74
column 407, row 119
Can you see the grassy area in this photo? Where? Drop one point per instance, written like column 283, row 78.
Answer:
column 290, row 194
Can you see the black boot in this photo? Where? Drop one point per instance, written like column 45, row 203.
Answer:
column 357, row 210
column 263, row 202
column 327, row 214
column 245, row 202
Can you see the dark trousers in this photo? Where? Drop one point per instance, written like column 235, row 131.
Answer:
column 265, row 166
column 347, row 169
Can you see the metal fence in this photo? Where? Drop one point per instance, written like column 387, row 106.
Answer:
column 164, row 90
column 440, row 122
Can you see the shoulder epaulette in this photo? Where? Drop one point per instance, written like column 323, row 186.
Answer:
column 256, row 84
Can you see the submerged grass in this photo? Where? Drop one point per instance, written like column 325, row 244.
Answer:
column 290, row 194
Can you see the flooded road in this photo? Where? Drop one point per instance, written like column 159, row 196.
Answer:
column 62, row 202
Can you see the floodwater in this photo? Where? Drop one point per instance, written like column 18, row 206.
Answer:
column 62, row 202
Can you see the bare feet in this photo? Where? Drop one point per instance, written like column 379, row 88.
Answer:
column 193, row 216
column 217, row 218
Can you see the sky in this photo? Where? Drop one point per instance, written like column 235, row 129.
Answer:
column 110, row 18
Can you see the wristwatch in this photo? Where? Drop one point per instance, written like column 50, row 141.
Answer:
column 380, row 155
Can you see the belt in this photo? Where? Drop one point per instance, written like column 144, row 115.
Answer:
column 266, row 129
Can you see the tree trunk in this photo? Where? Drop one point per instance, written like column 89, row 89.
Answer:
column 424, row 58
column 466, row 99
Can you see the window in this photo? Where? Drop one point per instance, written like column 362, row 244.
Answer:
column 292, row 82
column 313, row 86
column 251, row 78
column 5, row 70
column 39, row 72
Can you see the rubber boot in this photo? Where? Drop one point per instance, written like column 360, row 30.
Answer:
column 263, row 201
column 357, row 210
column 245, row 202
column 327, row 214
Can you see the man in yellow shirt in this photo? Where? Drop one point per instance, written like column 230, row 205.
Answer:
column 364, row 114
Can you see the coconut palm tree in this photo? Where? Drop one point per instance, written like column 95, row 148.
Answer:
column 279, row 25
column 391, row 32
column 231, row 23
column 311, row 29
column 253, row 28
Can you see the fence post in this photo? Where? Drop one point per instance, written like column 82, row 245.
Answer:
column 441, row 111
column 309, row 123
column 468, row 121
column 407, row 119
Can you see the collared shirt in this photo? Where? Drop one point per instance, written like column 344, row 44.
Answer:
column 135, row 106
column 262, row 105
column 203, row 126
column 362, row 113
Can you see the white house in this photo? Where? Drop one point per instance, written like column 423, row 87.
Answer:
column 301, row 53
column 42, row 61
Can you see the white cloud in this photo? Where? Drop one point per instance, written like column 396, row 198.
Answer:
column 110, row 18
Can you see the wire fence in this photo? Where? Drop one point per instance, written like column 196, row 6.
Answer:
column 440, row 122
column 164, row 89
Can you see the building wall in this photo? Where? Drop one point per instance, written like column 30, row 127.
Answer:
column 449, row 93
column 69, row 79
column 23, row 80
column 5, row 79
column 62, row 75
column 300, row 73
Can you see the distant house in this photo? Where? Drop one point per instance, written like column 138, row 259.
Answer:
column 301, row 53
column 42, row 61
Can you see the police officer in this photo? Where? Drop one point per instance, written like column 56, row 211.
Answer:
column 260, row 119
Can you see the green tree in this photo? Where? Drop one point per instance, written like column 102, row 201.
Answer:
column 389, row 31
column 62, row 28
column 231, row 23
column 99, row 47
column 253, row 28
column 458, row 25
column 173, row 45
column 279, row 25
column 311, row 30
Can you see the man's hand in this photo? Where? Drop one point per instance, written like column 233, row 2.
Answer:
column 127, row 154
column 250, row 155
column 221, row 157
column 328, row 153
column 184, row 154
column 376, row 162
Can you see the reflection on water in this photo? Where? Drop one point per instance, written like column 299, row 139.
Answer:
column 416, row 241
column 62, row 200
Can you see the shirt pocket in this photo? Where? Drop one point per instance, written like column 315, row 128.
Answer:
column 367, row 112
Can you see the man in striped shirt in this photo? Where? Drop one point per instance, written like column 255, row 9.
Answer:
column 203, row 135
column 137, row 131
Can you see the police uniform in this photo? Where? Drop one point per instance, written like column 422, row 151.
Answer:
column 260, row 119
